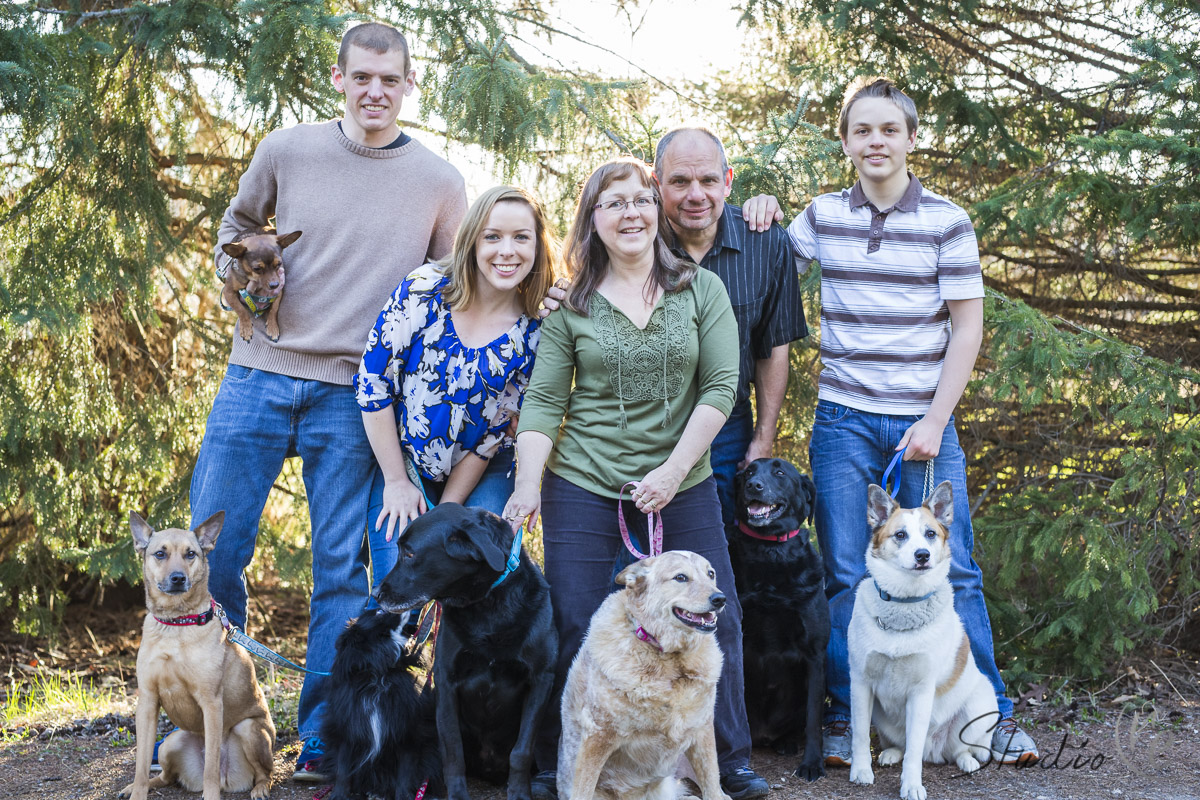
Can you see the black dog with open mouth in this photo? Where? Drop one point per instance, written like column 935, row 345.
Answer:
column 785, row 616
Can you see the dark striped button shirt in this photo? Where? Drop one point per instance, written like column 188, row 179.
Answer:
column 760, row 276
column 885, row 279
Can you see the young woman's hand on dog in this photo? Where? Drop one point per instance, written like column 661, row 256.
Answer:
column 402, row 503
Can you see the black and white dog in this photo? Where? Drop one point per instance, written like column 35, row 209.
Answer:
column 497, row 648
column 785, row 616
column 380, row 732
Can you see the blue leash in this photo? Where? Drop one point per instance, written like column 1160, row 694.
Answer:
column 896, row 464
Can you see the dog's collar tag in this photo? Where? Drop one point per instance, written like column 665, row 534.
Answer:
column 646, row 637
column 783, row 537
column 887, row 598
column 514, row 558
column 191, row 619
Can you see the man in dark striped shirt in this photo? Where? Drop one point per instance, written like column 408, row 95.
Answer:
column 757, row 269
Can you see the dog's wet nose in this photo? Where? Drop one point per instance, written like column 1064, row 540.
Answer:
column 922, row 556
column 717, row 599
column 178, row 580
column 756, row 485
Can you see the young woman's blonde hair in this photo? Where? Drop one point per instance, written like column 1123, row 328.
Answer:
column 586, row 256
column 463, row 267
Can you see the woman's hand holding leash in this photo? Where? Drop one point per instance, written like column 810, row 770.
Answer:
column 653, row 492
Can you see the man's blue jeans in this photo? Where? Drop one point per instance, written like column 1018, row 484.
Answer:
column 728, row 450
column 491, row 494
column 850, row 449
column 258, row 419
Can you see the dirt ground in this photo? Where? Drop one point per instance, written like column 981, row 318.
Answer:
column 1137, row 738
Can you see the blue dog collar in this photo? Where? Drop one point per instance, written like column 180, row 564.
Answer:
column 514, row 558
column 887, row 598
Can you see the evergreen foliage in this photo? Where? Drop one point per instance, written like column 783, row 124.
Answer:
column 1068, row 130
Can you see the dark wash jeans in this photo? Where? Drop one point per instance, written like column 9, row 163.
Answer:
column 583, row 545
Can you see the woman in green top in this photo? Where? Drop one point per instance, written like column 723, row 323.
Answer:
column 634, row 377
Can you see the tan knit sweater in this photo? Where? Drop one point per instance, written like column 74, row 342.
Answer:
column 369, row 216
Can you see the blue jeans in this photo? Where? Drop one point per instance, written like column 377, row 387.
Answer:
column 583, row 542
column 258, row 419
column 728, row 450
column 850, row 449
column 491, row 493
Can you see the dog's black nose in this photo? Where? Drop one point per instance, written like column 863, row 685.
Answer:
column 922, row 556
column 178, row 580
column 274, row 284
column 717, row 599
column 755, row 485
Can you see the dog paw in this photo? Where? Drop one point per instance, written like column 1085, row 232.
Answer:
column 967, row 762
column 911, row 790
column 272, row 332
column 890, row 756
column 246, row 332
column 861, row 774
column 126, row 792
column 810, row 771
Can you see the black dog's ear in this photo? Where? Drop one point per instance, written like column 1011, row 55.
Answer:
column 880, row 506
column 808, row 491
column 474, row 540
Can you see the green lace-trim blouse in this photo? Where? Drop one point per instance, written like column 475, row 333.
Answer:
column 616, row 398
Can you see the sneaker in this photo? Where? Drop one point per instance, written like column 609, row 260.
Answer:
column 308, row 765
column 1011, row 745
column 835, row 743
column 744, row 783
column 544, row 785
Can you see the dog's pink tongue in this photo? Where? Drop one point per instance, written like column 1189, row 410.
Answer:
column 758, row 509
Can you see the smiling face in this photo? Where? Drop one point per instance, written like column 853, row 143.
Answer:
column 628, row 235
column 375, row 85
column 506, row 247
column 693, row 182
column 878, row 142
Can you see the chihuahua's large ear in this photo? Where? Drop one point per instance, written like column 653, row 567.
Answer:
column 880, row 506
column 287, row 238
column 234, row 249
column 141, row 532
column 207, row 531
column 634, row 576
column 941, row 504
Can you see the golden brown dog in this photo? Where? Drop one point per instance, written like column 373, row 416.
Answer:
column 641, row 691
column 205, row 683
column 257, row 269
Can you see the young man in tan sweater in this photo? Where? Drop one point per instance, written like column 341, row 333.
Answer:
column 372, row 204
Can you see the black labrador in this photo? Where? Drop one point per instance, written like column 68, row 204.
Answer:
column 380, row 733
column 785, row 616
column 497, row 648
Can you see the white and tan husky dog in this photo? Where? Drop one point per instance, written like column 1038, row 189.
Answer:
column 911, row 669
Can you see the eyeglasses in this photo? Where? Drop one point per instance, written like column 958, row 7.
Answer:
column 640, row 203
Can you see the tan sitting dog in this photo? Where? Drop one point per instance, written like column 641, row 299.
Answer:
column 204, row 683
column 642, row 688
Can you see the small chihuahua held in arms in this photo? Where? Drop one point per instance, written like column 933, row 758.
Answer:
column 254, row 279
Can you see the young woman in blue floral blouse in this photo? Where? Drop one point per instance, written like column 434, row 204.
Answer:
column 446, row 365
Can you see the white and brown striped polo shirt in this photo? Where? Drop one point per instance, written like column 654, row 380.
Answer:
column 885, row 277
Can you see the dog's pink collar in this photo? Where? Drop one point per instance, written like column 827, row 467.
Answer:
column 783, row 537
column 192, row 619
column 647, row 637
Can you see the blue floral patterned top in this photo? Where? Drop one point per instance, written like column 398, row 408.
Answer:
column 454, row 399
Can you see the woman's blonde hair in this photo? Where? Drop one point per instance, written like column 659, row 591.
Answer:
column 462, row 265
column 586, row 256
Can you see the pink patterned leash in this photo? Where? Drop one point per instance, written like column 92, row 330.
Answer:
column 654, row 525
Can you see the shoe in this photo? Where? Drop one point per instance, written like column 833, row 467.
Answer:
column 744, row 783
column 308, row 765
column 1011, row 745
column 835, row 743
column 544, row 785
